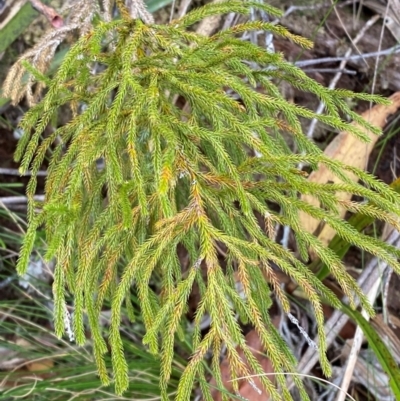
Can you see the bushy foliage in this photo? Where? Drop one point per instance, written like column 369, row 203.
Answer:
column 134, row 175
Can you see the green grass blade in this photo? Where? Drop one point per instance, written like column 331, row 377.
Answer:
column 17, row 25
column 154, row 5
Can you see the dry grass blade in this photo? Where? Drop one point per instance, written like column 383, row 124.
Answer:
column 389, row 10
column 357, row 342
column 8, row 9
column 384, row 331
column 369, row 276
column 369, row 374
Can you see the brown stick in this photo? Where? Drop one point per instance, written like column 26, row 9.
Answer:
column 55, row 19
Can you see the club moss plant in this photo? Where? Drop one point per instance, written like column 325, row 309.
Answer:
column 176, row 140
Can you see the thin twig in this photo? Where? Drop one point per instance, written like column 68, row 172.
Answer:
column 331, row 70
column 13, row 171
column 336, row 78
column 353, row 42
column 171, row 14
column 379, row 48
column 389, row 51
column 183, row 8
column 10, row 200
column 52, row 16
column 292, row 9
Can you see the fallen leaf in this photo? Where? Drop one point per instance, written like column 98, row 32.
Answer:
column 37, row 366
column 350, row 150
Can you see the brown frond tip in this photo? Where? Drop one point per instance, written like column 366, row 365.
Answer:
column 80, row 16
column 138, row 9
